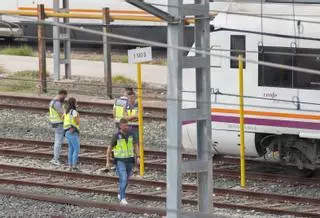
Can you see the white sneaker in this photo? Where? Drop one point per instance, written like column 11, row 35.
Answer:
column 123, row 202
column 119, row 197
column 55, row 162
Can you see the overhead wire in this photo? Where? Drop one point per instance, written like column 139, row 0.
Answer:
column 176, row 47
column 243, row 13
column 182, row 48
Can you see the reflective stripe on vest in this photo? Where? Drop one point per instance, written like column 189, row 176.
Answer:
column 54, row 116
column 133, row 112
column 120, row 106
column 124, row 149
column 69, row 121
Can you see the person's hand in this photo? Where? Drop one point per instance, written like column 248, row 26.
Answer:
column 137, row 160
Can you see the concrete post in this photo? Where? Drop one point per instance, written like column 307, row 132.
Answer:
column 42, row 50
column 107, row 52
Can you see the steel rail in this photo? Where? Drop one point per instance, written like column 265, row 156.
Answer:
column 147, row 151
column 107, row 104
column 162, row 167
column 86, row 113
column 83, row 203
column 218, row 191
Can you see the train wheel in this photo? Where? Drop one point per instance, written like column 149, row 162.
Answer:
column 292, row 161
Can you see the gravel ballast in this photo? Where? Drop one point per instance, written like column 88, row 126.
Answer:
column 98, row 131
column 32, row 208
column 94, row 130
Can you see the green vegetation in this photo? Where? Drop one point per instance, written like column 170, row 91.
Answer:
column 19, row 51
column 119, row 58
column 2, row 70
column 122, row 80
column 23, row 81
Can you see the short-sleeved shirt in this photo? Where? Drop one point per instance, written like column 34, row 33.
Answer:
column 57, row 105
column 114, row 142
column 74, row 113
column 122, row 100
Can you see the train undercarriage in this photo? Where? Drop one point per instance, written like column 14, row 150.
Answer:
column 302, row 153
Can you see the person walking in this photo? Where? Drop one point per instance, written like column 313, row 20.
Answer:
column 119, row 106
column 56, row 121
column 125, row 147
column 71, row 127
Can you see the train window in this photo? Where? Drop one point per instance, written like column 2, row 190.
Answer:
column 307, row 58
column 237, row 47
column 300, row 57
column 275, row 77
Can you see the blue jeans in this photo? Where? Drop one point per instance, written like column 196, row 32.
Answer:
column 74, row 147
column 58, row 141
column 124, row 171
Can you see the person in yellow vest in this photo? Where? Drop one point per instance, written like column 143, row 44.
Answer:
column 132, row 114
column 56, row 120
column 125, row 147
column 71, row 126
column 119, row 107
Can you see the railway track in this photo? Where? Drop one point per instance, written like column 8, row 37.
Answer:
column 155, row 160
column 88, row 108
column 147, row 190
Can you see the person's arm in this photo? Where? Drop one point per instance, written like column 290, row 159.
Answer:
column 109, row 150
column 60, row 111
column 76, row 117
column 132, row 118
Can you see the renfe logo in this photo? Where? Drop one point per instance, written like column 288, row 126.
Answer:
column 270, row 95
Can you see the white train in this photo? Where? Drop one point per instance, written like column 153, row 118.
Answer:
column 282, row 107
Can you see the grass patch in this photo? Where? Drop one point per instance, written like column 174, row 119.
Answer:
column 119, row 58
column 2, row 70
column 21, row 81
column 19, row 51
column 122, row 80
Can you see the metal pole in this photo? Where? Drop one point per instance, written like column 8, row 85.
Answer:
column 140, row 108
column 242, row 146
column 107, row 52
column 56, row 43
column 67, row 42
column 42, row 50
column 204, row 131
column 174, row 107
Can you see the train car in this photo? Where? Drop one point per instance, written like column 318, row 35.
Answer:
column 282, row 107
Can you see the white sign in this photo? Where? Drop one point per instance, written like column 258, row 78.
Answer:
column 139, row 55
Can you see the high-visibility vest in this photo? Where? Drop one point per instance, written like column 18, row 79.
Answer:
column 132, row 112
column 69, row 121
column 124, row 149
column 120, row 107
column 54, row 116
